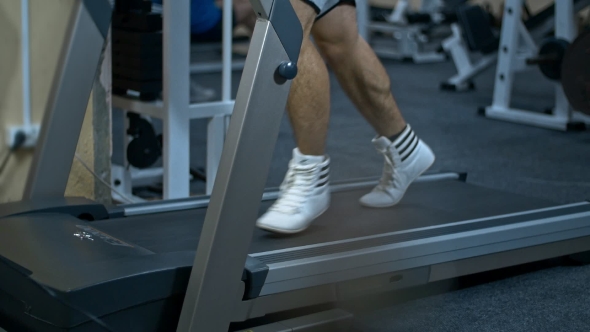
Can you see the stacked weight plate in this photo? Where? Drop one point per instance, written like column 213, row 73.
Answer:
column 137, row 49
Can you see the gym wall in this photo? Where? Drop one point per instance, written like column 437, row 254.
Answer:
column 48, row 24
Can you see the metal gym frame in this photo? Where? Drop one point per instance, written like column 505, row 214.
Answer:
column 176, row 111
column 509, row 62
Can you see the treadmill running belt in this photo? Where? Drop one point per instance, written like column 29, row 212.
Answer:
column 425, row 204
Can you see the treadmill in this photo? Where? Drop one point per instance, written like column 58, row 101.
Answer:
column 71, row 264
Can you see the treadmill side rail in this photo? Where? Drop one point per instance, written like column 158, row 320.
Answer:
column 307, row 267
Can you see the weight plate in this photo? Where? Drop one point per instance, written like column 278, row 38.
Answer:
column 576, row 73
column 553, row 47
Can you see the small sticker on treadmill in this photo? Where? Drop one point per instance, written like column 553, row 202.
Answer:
column 103, row 236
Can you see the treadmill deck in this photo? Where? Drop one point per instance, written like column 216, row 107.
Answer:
column 425, row 204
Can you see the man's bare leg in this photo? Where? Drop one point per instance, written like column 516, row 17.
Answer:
column 305, row 194
column 365, row 81
column 309, row 100
column 359, row 71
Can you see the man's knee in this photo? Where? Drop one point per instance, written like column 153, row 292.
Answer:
column 336, row 49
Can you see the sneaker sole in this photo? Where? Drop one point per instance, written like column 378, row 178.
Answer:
column 289, row 231
column 402, row 197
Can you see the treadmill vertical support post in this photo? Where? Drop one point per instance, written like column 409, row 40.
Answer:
column 213, row 291
column 72, row 84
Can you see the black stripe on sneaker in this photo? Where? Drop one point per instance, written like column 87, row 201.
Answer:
column 325, row 168
column 323, row 176
column 412, row 150
column 407, row 143
column 403, row 140
column 415, row 138
column 321, row 184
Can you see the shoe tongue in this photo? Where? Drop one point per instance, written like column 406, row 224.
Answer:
column 302, row 159
column 381, row 143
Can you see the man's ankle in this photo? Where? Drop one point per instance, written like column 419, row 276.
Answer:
column 395, row 136
column 311, row 152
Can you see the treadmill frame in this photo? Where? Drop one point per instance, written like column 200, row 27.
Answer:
column 68, row 99
column 214, row 287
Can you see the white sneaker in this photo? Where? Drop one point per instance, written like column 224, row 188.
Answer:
column 304, row 195
column 405, row 160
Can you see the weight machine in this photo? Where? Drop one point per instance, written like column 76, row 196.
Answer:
column 552, row 56
column 473, row 33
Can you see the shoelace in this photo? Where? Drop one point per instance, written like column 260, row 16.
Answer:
column 389, row 174
column 298, row 183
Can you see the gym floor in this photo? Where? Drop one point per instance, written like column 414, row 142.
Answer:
column 514, row 158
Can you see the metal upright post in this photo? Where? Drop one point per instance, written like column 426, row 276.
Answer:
column 508, row 50
column 213, row 290
column 176, row 149
column 66, row 107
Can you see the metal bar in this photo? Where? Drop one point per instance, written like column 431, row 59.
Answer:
column 226, row 50
column 211, row 109
column 269, row 195
column 508, row 258
column 26, row 63
column 154, row 108
column 214, row 285
column 214, row 67
column 508, row 49
column 68, row 99
column 175, row 121
column 526, row 117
